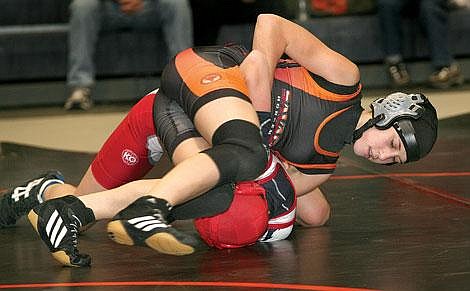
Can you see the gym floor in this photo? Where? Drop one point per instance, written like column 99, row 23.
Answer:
column 403, row 228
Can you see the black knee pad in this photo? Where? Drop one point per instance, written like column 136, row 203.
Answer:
column 238, row 151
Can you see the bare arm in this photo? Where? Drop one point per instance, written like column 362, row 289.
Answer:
column 304, row 183
column 312, row 207
column 275, row 35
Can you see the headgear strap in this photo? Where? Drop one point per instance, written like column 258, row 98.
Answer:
column 407, row 134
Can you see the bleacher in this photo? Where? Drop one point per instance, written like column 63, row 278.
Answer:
column 33, row 51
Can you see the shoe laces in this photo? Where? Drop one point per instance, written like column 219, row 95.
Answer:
column 157, row 213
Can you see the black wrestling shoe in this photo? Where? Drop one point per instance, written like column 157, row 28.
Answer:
column 20, row 200
column 57, row 222
column 144, row 222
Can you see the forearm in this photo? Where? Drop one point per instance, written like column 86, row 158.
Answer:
column 258, row 79
column 275, row 35
column 312, row 207
column 304, row 183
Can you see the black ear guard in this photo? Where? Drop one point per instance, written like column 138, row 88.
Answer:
column 407, row 135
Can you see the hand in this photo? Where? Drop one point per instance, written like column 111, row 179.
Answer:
column 131, row 6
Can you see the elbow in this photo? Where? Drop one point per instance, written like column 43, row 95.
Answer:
column 349, row 76
column 266, row 18
column 355, row 73
column 268, row 22
column 254, row 66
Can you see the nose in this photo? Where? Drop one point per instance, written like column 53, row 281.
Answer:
column 387, row 154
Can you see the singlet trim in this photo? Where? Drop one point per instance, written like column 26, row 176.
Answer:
column 313, row 166
column 213, row 95
column 316, row 140
column 336, row 88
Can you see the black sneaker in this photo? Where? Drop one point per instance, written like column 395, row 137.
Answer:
column 57, row 222
column 18, row 201
column 144, row 222
column 398, row 74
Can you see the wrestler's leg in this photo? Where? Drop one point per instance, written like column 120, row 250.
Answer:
column 118, row 198
column 84, row 210
column 215, row 97
column 176, row 134
column 200, row 173
column 110, row 169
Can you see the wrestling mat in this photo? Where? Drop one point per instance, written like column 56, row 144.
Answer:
column 392, row 228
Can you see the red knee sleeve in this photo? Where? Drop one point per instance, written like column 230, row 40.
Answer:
column 128, row 152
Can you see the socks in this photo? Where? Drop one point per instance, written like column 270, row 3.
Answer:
column 44, row 187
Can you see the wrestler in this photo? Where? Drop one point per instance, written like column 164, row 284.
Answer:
column 311, row 113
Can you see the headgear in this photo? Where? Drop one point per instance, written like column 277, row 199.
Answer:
column 247, row 220
column 242, row 224
column 413, row 117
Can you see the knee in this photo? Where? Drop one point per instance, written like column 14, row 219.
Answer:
column 238, row 151
column 317, row 216
column 252, row 161
column 83, row 7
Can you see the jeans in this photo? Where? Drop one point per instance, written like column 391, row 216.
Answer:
column 434, row 19
column 89, row 17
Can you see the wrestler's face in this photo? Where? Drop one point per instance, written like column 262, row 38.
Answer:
column 381, row 146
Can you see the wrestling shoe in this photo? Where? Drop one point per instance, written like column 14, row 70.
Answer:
column 57, row 222
column 18, row 201
column 144, row 222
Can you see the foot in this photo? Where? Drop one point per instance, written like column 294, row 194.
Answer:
column 20, row 200
column 79, row 99
column 398, row 74
column 144, row 222
column 57, row 222
column 446, row 77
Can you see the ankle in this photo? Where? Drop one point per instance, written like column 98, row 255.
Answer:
column 83, row 213
column 57, row 190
